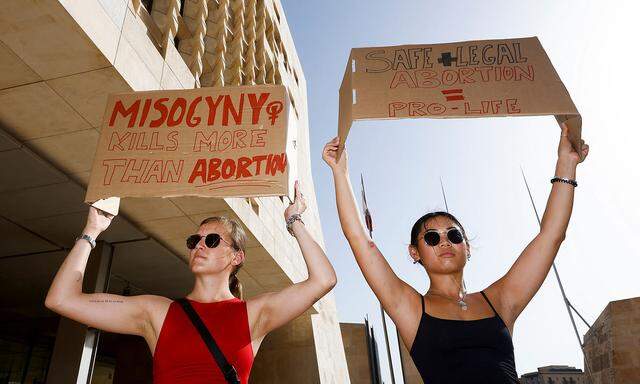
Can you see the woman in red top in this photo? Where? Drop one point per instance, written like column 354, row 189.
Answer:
column 217, row 251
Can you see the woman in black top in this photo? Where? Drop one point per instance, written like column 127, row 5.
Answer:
column 455, row 337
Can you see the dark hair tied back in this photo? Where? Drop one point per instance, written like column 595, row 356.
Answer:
column 234, row 285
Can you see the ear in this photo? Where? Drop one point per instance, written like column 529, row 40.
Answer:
column 413, row 252
column 238, row 258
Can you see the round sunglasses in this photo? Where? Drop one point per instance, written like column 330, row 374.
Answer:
column 432, row 237
column 211, row 240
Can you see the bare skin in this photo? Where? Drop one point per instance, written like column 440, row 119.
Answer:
column 144, row 315
column 445, row 262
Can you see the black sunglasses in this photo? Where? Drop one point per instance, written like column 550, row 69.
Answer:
column 454, row 235
column 211, row 240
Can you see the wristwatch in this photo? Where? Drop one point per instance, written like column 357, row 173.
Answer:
column 88, row 238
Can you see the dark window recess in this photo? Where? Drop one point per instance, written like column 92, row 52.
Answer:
column 176, row 40
column 147, row 4
column 275, row 8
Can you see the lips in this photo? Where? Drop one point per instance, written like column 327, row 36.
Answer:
column 447, row 254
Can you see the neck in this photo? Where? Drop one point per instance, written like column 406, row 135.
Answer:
column 448, row 285
column 210, row 288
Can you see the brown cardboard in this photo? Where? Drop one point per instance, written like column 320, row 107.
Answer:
column 485, row 78
column 213, row 142
column 110, row 205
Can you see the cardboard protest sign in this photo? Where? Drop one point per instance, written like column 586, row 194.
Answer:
column 110, row 205
column 214, row 142
column 485, row 78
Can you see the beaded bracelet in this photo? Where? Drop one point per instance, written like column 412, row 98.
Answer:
column 564, row 180
column 293, row 218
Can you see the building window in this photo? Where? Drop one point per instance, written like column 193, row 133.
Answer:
column 275, row 9
column 253, row 203
column 147, row 4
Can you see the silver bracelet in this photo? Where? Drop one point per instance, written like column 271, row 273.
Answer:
column 293, row 218
column 88, row 238
column 564, row 180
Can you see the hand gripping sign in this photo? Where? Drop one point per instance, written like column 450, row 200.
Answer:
column 213, row 142
column 484, row 78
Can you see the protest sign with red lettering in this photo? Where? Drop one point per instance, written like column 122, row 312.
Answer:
column 216, row 142
column 486, row 78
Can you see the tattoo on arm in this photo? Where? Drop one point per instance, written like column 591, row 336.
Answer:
column 106, row 301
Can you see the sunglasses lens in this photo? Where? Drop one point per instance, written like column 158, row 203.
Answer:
column 432, row 238
column 192, row 241
column 455, row 236
column 212, row 240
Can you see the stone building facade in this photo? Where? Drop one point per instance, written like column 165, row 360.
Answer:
column 612, row 345
column 555, row 374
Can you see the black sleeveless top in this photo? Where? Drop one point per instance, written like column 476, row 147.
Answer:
column 464, row 351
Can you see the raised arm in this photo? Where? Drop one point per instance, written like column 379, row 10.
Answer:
column 275, row 309
column 527, row 274
column 395, row 295
column 112, row 313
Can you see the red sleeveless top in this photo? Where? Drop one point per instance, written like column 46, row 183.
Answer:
column 181, row 356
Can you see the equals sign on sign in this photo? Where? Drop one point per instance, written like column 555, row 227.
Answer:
column 453, row 94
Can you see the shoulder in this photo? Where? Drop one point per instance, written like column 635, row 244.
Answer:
column 256, row 304
column 155, row 308
column 150, row 311
column 153, row 302
column 408, row 315
column 495, row 295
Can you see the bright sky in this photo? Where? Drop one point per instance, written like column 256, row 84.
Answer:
column 591, row 46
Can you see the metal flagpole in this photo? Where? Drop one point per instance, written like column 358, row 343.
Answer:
column 446, row 206
column 564, row 296
column 369, row 222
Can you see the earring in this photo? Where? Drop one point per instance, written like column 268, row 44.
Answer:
column 416, row 261
column 468, row 256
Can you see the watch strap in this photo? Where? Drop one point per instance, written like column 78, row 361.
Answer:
column 88, row 238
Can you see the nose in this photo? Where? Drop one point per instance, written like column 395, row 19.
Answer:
column 445, row 242
column 200, row 244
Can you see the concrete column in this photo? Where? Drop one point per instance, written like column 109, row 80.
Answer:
column 76, row 345
column 287, row 355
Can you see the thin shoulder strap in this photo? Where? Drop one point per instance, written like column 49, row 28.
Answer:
column 422, row 302
column 491, row 305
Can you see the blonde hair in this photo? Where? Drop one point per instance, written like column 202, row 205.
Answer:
column 238, row 242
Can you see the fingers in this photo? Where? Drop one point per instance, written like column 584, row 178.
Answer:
column 103, row 213
column 333, row 143
column 330, row 148
column 564, row 131
column 330, row 151
column 299, row 197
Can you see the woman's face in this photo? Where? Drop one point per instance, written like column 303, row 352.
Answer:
column 203, row 259
column 444, row 257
